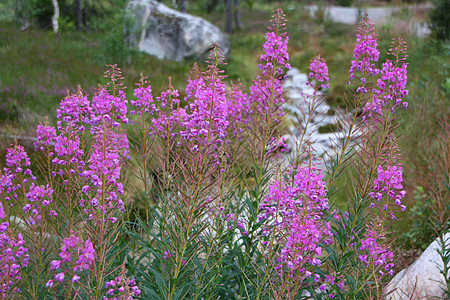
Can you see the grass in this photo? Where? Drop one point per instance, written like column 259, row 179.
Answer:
column 39, row 67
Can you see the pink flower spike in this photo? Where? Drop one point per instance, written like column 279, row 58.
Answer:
column 319, row 72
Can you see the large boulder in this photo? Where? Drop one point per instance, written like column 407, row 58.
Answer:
column 170, row 34
column 422, row 279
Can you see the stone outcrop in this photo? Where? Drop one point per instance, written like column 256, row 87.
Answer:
column 169, row 34
column 422, row 279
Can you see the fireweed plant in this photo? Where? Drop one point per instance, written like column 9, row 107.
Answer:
column 155, row 199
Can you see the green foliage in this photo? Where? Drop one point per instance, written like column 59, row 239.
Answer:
column 421, row 143
column 246, row 45
column 328, row 128
column 7, row 13
column 440, row 20
column 444, row 269
column 420, row 233
column 344, row 2
column 114, row 43
column 446, row 86
column 9, row 110
column 42, row 11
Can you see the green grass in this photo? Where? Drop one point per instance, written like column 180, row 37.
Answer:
column 39, row 67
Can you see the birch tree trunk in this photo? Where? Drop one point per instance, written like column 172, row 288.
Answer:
column 55, row 18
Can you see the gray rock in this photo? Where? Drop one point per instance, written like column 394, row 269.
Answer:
column 170, row 34
column 422, row 279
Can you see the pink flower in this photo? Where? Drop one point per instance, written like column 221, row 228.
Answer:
column 17, row 158
column 60, row 277
column 143, row 100
column 55, row 264
column 293, row 211
column 388, row 184
column 365, row 54
column 391, row 86
column 319, row 71
column 13, row 257
column 122, row 288
column 73, row 248
column 46, row 135
column 275, row 56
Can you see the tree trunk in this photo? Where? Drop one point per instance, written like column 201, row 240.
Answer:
column 228, row 18
column 79, row 15
column 237, row 15
column 55, row 18
column 183, row 6
column 21, row 14
column 16, row 12
column 85, row 15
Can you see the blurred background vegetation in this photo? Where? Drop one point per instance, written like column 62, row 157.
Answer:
column 39, row 67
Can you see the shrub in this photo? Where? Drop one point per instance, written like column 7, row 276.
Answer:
column 440, row 20
column 344, row 2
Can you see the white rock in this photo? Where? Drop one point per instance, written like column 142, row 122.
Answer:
column 422, row 279
column 299, row 106
column 169, row 34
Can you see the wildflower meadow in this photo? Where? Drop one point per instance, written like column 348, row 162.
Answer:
column 196, row 197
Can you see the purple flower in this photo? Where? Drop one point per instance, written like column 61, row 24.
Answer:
column 319, row 71
column 17, row 158
column 46, row 135
column 13, row 257
column 68, row 151
column 4, row 226
column 40, row 198
column 143, row 100
column 75, row 110
column 391, row 86
column 239, row 108
column 293, row 212
column 55, row 264
column 122, row 288
column 207, row 122
column 60, row 277
column 267, row 96
column 86, row 257
column 73, row 250
column 109, row 108
column 388, row 185
column 165, row 123
column 373, row 252
column 108, row 151
column 365, row 54
column 275, row 56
